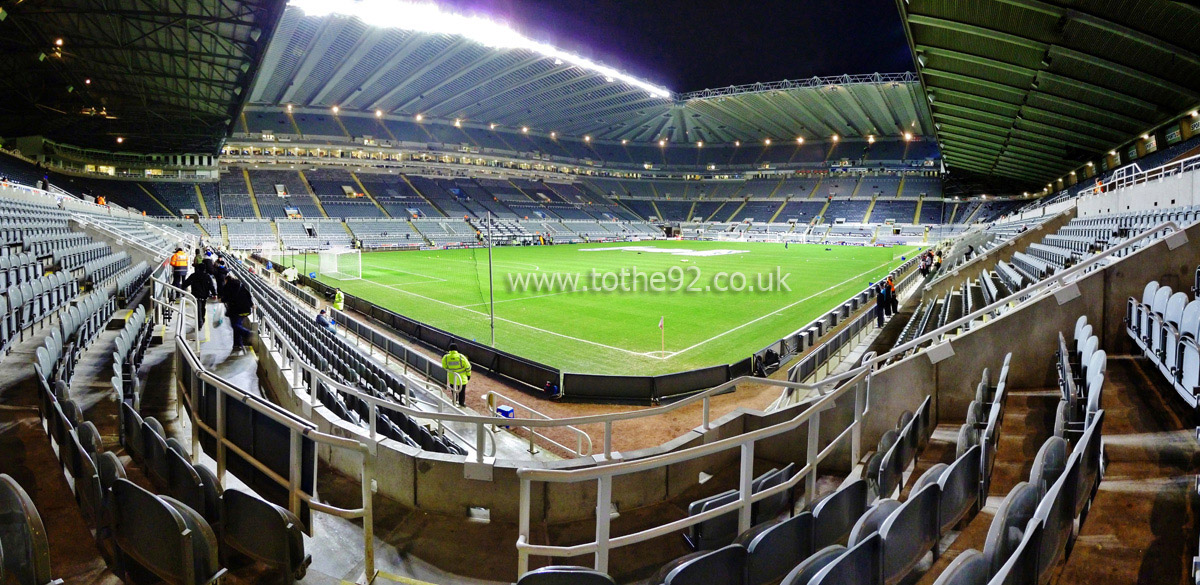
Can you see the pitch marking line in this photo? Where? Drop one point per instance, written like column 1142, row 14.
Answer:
column 431, row 278
column 565, row 292
column 784, row 308
column 519, row 324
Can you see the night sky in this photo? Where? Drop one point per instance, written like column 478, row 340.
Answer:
column 687, row 45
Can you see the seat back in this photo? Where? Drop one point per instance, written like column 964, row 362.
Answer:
column 835, row 516
column 1013, row 515
column 26, row 552
column 968, row 568
column 775, row 550
column 565, row 575
column 1056, row 512
column 861, row 565
column 262, row 531
column 1089, row 449
column 1049, row 463
column 203, row 541
column 959, row 486
column 909, row 533
column 724, row 565
column 1021, row 567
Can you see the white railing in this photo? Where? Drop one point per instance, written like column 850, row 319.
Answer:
column 580, row 437
column 852, row 380
column 1122, row 180
column 297, row 431
column 294, row 365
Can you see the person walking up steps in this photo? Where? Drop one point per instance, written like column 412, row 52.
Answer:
column 179, row 267
column 458, row 372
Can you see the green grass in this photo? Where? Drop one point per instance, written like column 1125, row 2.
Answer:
column 617, row 332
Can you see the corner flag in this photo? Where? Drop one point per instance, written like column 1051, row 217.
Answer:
column 662, row 334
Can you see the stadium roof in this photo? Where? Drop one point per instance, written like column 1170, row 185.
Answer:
column 1029, row 89
column 493, row 76
column 140, row 76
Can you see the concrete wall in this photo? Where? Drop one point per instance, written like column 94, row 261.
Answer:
column 1173, row 191
column 954, row 278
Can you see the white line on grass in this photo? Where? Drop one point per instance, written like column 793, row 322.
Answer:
column 431, row 278
column 519, row 324
column 784, row 308
column 523, row 298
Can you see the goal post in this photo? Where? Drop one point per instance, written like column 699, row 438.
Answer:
column 340, row 263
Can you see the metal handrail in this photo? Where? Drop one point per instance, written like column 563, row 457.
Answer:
column 297, row 366
column 298, row 429
column 604, row 474
column 580, row 436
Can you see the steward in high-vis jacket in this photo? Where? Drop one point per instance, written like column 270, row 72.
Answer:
column 458, row 372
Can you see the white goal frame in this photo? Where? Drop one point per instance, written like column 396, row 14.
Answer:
column 340, row 263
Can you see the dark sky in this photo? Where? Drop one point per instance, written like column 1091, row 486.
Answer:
column 687, row 45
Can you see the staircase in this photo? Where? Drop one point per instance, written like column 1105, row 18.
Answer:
column 738, row 210
column 224, row 235
column 368, row 194
column 781, row 206
column 917, row 213
column 200, row 198
column 311, row 193
column 870, row 207
column 160, row 203
column 250, row 190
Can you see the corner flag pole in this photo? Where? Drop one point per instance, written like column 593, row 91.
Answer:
column 491, row 290
column 662, row 334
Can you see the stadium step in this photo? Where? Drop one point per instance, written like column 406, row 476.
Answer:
column 657, row 213
column 971, row 218
column 716, row 211
column 781, row 206
column 386, row 130
column 200, row 198
column 825, row 208
column 870, row 206
column 900, row 191
column 427, row 200
column 1142, row 524
column 156, row 200
column 295, row 126
column 816, row 188
column 920, row 203
column 371, row 197
column 224, row 235
column 738, row 210
column 308, row 188
column 250, row 190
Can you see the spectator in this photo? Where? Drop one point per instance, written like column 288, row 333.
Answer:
column 238, row 305
column 892, row 298
column 458, row 372
column 179, row 267
column 202, row 286
column 323, row 320
column 880, row 301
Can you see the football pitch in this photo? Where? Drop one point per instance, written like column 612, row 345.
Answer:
column 596, row 308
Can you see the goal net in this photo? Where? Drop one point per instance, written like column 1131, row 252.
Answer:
column 340, row 263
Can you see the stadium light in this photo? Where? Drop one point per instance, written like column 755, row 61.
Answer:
column 737, row 142
column 457, row 123
column 799, row 140
column 871, row 139
column 58, row 42
column 835, row 138
column 1112, row 153
column 1196, row 113
column 587, row 138
column 1145, row 137
column 492, row 126
column 289, row 108
column 420, row 117
column 662, row 142
column 624, row 141
column 908, row 136
column 1091, row 164
column 767, row 142
column 525, row 129
column 699, row 144
column 378, row 113
column 87, row 81
column 336, row 110
column 429, row 18
column 120, row 139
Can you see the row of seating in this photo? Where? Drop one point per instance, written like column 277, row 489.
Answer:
column 30, row 303
column 722, row 530
column 18, row 268
column 1036, row 522
column 345, row 363
column 101, row 269
column 69, row 258
column 799, row 548
column 132, row 343
column 128, row 282
column 56, row 358
column 45, row 244
column 244, row 523
column 21, row 225
column 1165, row 324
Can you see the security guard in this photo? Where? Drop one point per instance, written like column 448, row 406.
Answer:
column 179, row 267
column 339, row 300
column 458, row 370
